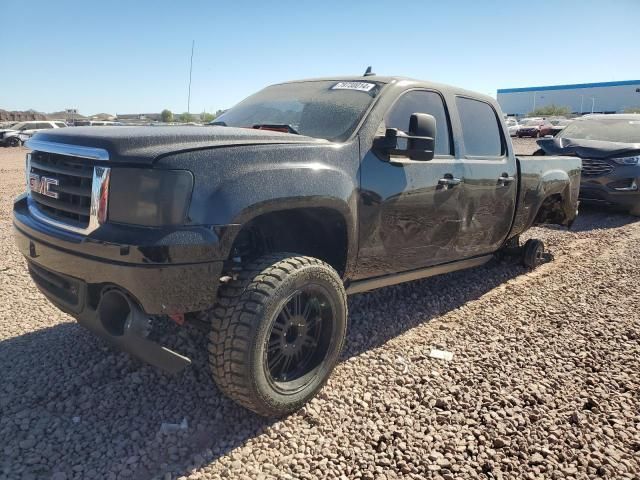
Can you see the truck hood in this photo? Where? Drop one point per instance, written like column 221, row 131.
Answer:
column 144, row 145
column 588, row 148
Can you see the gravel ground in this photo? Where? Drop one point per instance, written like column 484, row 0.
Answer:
column 524, row 146
column 544, row 382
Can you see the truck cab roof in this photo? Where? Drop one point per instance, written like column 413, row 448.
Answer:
column 399, row 81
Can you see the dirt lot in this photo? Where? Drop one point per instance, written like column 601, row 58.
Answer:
column 544, row 382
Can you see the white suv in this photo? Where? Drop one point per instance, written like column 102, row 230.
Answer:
column 18, row 133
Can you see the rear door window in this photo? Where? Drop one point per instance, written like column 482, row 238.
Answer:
column 480, row 128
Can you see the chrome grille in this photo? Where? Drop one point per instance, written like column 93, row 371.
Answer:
column 68, row 185
column 74, row 181
column 592, row 167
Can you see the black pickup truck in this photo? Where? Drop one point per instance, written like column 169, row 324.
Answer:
column 260, row 225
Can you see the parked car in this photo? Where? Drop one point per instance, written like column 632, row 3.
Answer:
column 257, row 228
column 95, row 123
column 554, row 126
column 104, row 123
column 609, row 146
column 530, row 127
column 512, row 126
column 20, row 132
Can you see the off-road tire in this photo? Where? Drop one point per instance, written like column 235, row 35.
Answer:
column 241, row 322
column 533, row 253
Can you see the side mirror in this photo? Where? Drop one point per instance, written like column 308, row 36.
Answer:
column 420, row 139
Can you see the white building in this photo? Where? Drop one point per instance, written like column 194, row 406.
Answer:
column 605, row 97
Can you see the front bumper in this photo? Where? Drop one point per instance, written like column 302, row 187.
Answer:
column 157, row 272
column 166, row 271
column 610, row 189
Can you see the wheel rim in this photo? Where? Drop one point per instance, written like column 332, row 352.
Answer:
column 299, row 338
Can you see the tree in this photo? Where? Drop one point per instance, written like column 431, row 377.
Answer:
column 166, row 115
column 550, row 111
column 207, row 117
column 186, row 117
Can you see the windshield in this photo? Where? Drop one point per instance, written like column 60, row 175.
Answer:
column 19, row 126
column 529, row 122
column 606, row 129
column 321, row 109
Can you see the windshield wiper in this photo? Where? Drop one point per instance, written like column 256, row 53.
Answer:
column 276, row 127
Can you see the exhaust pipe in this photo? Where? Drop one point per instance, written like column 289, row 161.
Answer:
column 119, row 315
column 119, row 320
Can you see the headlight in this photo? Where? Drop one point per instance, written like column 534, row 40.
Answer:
column 627, row 160
column 148, row 197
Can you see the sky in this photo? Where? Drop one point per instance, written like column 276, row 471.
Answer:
column 133, row 56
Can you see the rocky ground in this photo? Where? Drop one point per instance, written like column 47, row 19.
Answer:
column 544, row 381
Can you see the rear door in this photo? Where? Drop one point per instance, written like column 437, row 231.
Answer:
column 491, row 178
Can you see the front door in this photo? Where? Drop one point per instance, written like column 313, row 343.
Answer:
column 410, row 216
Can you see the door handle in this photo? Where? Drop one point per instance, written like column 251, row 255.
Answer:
column 505, row 180
column 449, row 181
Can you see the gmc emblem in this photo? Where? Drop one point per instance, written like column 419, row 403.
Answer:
column 42, row 185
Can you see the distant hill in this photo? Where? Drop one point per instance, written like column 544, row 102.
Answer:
column 103, row 116
column 18, row 116
column 65, row 116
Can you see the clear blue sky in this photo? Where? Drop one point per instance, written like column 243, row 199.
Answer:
column 133, row 56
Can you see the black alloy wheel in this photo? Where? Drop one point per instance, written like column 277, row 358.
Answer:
column 299, row 337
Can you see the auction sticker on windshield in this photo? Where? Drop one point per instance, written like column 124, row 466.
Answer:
column 361, row 86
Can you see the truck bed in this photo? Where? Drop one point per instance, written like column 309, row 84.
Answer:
column 550, row 180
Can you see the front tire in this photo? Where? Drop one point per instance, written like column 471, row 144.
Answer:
column 279, row 333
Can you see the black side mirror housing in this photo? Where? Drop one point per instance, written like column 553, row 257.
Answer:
column 420, row 139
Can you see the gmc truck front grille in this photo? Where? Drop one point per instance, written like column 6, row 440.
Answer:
column 67, row 185
column 73, row 188
column 592, row 167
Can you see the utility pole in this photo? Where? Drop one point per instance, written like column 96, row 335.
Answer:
column 534, row 100
column 593, row 104
column 581, row 104
column 193, row 42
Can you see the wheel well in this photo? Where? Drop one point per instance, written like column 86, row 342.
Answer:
column 316, row 232
column 551, row 211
